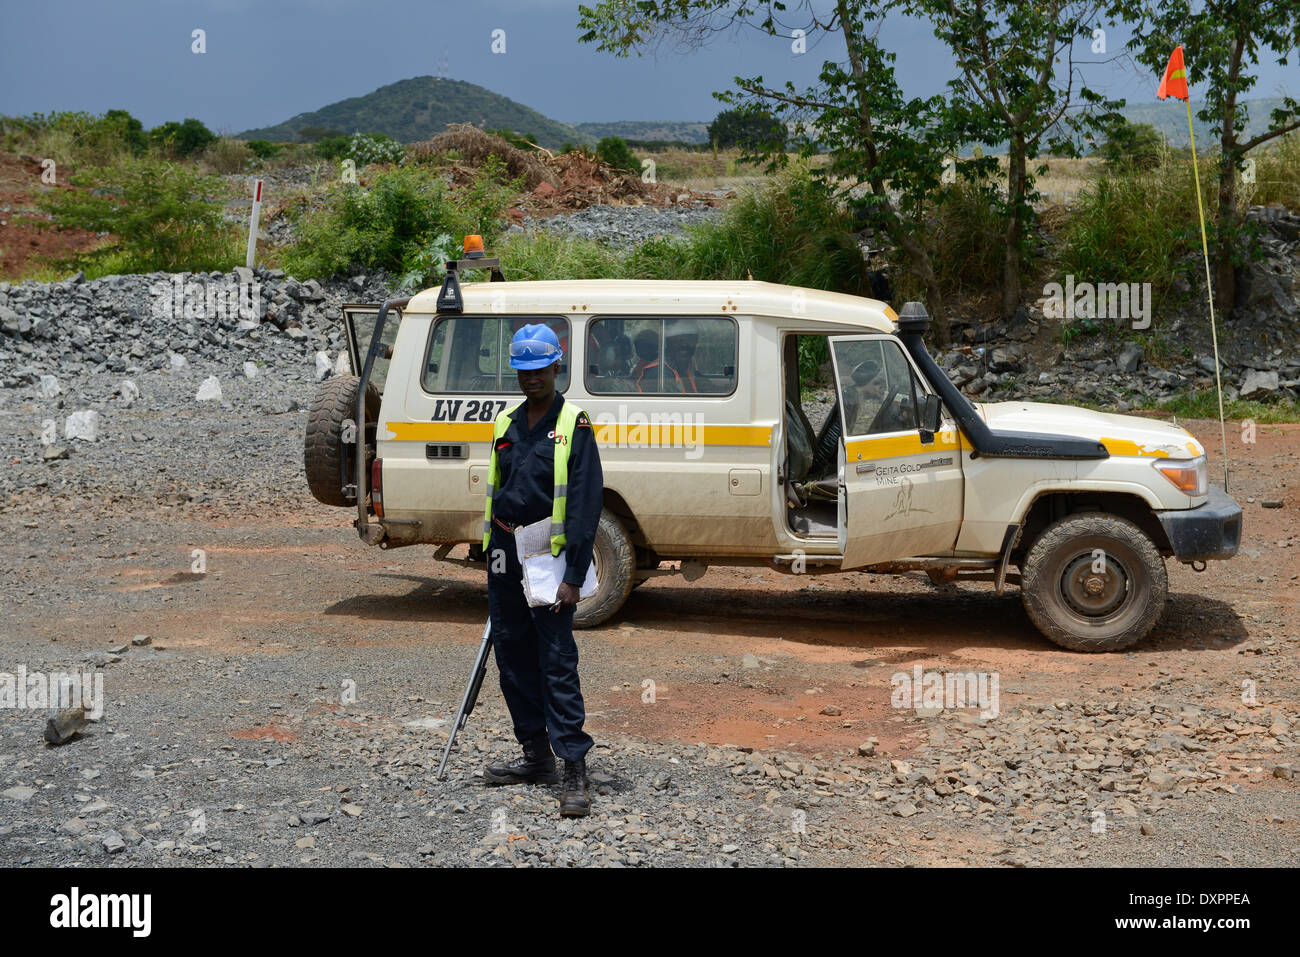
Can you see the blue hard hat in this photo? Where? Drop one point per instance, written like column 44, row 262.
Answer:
column 534, row 347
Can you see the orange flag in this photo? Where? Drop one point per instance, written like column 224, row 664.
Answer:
column 1175, row 82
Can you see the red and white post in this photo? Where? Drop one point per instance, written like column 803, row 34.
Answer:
column 252, row 225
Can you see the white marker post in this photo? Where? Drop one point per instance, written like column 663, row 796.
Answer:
column 252, row 225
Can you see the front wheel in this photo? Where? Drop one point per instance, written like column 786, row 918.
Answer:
column 615, row 560
column 1094, row 582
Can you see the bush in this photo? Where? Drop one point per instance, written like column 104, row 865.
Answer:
column 1132, row 146
column 549, row 255
column 265, row 149
column 332, row 147
column 367, row 148
column 129, row 130
column 398, row 223
column 614, row 152
column 789, row 231
column 163, row 216
column 182, row 139
column 228, row 156
column 76, row 138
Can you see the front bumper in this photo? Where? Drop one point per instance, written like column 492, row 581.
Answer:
column 1211, row 530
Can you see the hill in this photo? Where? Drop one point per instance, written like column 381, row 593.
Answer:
column 1170, row 118
column 648, row 130
column 415, row 109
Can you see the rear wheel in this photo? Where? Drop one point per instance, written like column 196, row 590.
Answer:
column 1094, row 582
column 615, row 560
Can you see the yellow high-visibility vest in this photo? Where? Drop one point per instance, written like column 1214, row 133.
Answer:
column 564, row 426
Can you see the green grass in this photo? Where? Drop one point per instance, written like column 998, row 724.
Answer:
column 1203, row 405
column 547, row 255
column 1132, row 227
column 1277, row 172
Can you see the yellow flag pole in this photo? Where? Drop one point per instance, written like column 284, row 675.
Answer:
column 1209, row 291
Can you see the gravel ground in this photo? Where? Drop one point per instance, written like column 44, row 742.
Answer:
column 623, row 226
column 232, row 744
column 227, row 739
column 773, row 741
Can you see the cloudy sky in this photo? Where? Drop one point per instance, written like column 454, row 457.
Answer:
column 268, row 60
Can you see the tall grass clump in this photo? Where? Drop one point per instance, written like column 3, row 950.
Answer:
column 74, row 138
column 229, row 156
column 1136, row 226
column 548, row 255
column 162, row 216
column 966, row 236
column 1277, row 172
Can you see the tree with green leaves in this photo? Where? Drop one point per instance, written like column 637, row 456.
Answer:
column 886, row 150
column 750, row 129
column 1132, row 146
column 616, row 154
column 1009, row 90
column 183, row 139
column 1222, row 43
column 130, row 129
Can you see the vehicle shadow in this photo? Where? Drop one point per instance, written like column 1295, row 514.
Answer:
column 972, row 614
column 432, row 600
column 943, row 620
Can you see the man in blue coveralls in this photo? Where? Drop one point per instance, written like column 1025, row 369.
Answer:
column 544, row 463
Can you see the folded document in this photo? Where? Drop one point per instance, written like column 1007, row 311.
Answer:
column 544, row 572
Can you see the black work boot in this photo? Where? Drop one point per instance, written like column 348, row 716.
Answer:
column 537, row 766
column 574, row 801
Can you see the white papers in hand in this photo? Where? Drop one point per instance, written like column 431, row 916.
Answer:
column 544, row 572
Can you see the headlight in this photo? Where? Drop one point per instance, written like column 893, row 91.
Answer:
column 1190, row 475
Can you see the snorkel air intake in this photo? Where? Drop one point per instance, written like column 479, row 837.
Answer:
column 913, row 324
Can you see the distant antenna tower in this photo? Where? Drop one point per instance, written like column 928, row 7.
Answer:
column 444, row 72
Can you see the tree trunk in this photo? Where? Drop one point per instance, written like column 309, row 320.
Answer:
column 1225, row 276
column 1015, row 228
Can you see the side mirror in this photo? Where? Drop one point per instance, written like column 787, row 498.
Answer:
column 931, row 413
column 931, row 417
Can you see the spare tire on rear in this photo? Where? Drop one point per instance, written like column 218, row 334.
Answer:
column 326, row 457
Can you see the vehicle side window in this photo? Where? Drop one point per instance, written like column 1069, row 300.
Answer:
column 670, row 356
column 878, row 391
column 472, row 353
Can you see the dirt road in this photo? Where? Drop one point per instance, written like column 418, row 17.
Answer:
column 291, row 706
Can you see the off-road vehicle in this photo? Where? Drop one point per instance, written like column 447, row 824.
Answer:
column 709, row 458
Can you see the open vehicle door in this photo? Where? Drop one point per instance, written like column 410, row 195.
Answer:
column 359, row 326
column 901, row 489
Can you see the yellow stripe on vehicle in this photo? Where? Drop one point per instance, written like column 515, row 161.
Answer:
column 440, row 431
column 1129, row 447
column 620, row 434
column 678, row 435
column 892, row 446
